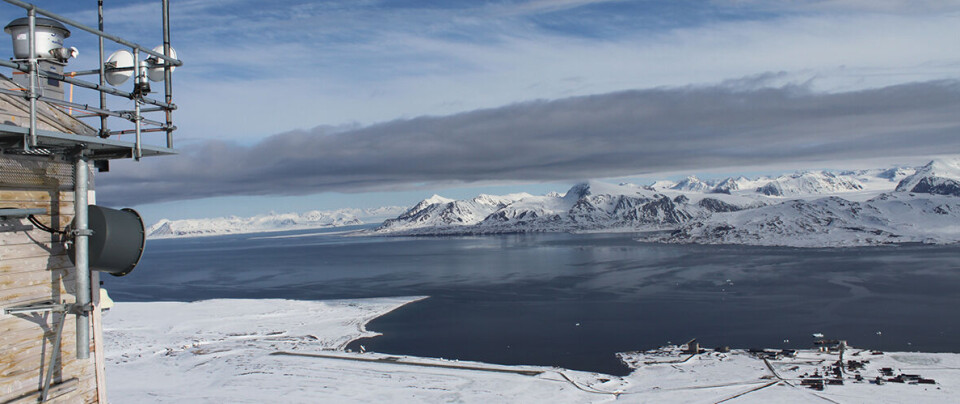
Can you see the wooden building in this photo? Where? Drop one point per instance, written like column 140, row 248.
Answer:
column 51, row 336
column 35, row 268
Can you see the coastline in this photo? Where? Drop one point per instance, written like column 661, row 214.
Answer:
column 236, row 232
column 256, row 350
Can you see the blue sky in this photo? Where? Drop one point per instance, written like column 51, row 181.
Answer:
column 359, row 76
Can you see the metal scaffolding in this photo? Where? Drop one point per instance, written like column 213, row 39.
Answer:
column 138, row 96
column 80, row 149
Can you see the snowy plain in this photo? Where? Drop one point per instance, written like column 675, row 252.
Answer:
column 269, row 350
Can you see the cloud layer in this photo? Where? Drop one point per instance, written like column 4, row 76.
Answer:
column 254, row 68
column 615, row 134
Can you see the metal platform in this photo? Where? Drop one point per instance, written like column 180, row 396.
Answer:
column 13, row 138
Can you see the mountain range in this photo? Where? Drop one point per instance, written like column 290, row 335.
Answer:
column 804, row 209
column 266, row 223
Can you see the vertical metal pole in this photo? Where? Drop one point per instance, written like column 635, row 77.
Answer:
column 136, row 102
column 81, row 245
column 167, row 77
column 104, row 130
column 32, row 61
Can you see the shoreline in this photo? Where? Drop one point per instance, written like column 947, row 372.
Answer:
column 362, row 326
column 255, row 350
column 256, row 231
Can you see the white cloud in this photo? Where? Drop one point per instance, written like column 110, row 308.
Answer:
column 884, row 6
column 254, row 69
column 543, row 6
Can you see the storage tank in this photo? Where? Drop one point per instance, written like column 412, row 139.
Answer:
column 49, row 35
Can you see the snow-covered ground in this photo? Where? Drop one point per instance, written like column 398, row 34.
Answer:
column 256, row 351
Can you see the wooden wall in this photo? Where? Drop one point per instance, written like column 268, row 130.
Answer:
column 34, row 267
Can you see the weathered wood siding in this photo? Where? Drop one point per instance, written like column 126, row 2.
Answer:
column 34, row 267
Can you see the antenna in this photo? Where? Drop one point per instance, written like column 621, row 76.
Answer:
column 119, row 67
column 155, row 73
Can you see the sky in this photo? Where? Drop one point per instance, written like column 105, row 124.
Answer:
column 301, row 105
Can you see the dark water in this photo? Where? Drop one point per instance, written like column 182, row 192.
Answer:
column 574, row 300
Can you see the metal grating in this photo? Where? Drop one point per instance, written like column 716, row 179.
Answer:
column 35, row 172
column 12, row 139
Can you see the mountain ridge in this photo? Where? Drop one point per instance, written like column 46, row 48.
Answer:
column 314, row 219
column 804, row 209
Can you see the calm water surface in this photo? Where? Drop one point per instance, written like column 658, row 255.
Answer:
column 574, row 300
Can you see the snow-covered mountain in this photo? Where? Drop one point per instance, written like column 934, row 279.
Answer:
column 729, row 185
column 940, row 177
column 805, row 183
column 438, row 211
column 888, row 218
column 587, row 206
column 266, row 223
column 815, row 208
column 692, row 183
column 810, row 183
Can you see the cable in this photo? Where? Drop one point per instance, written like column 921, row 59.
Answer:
column 36, row 222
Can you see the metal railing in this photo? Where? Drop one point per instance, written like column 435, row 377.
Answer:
column 138, row 96
column 79, row 151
